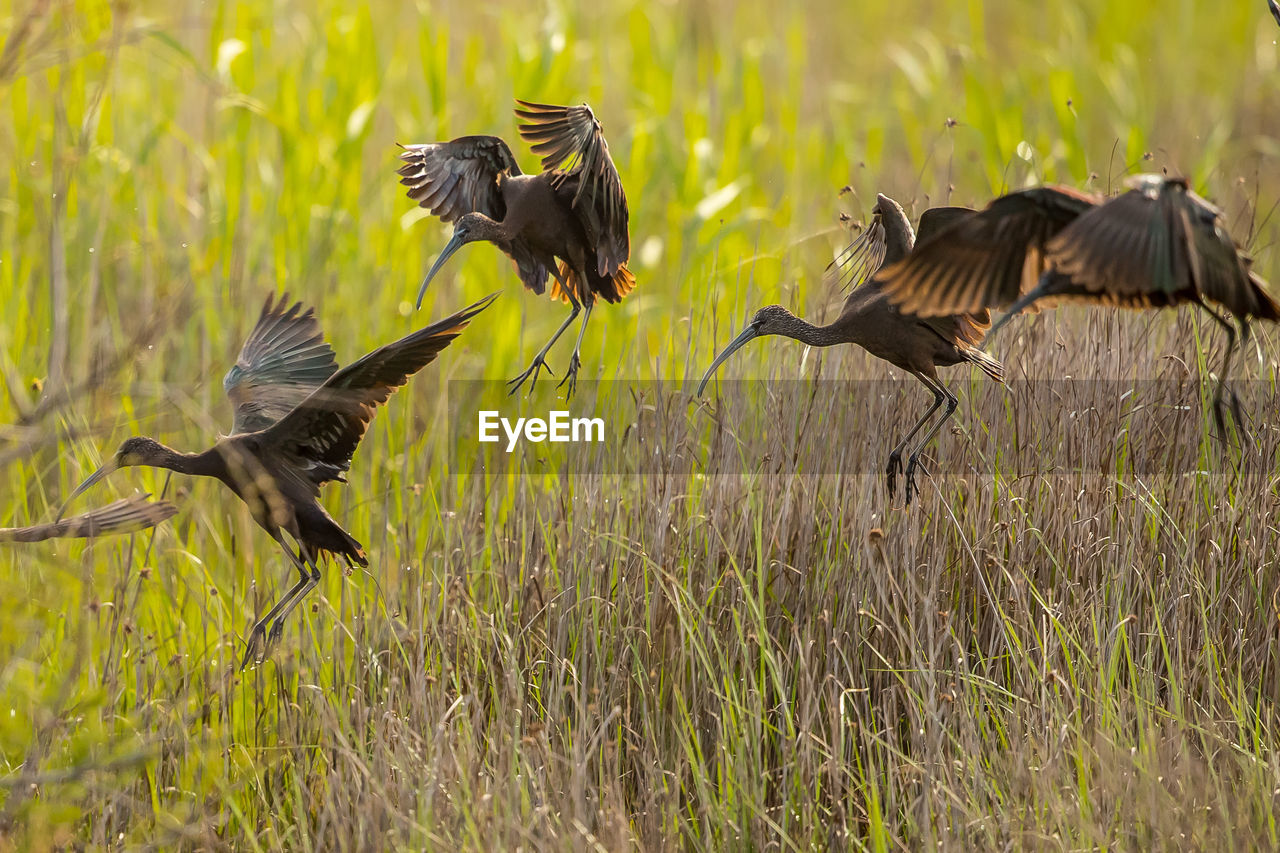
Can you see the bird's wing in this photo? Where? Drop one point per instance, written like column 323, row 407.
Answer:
column 934, row 219
column 532, row 271
column 123, row 516
column 862, row 258
column 964, row 329
column 1222, row 273
column 561, row 134
column 1268, row 305
column 1134, row 247
column 322, row 433
column 985, row 259
column 455, row 178
column 284, row 359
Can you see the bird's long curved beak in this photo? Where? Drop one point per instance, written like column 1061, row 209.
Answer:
column 95, row 477
column 749, row 333
column 455, row 243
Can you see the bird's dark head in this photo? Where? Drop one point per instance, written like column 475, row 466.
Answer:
column 138, row 450
column 1154, row 184
column 769, row 320
column 469, row 228
column 133, row 451
column 886, row 206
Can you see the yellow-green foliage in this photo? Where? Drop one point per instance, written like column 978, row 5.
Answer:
column 1025, row 658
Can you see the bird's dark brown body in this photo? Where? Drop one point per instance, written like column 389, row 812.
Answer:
column 871, row 320
column 566, row 222
column 298, row 422
column 279, row 497
column 918, row 345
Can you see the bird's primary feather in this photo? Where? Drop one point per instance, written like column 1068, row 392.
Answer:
column 322, row 433
column 458, row 177
column 452, row 179
column 283, row 360
column 571, row 144
column 987, row 259
column 123, row 516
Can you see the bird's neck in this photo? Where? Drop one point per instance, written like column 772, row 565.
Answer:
column 209, row 463
column 484, row 228
column 806, row 332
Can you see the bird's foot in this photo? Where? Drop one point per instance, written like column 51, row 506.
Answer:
column 892, row 471
column 571, row 375
column 255, row 647
column 277, row 631
column 531, row 374
column 912, row 488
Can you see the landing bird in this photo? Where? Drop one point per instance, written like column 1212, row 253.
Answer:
column 1157, row 245
column 298, row 421
column 123, row 516
column 576, row 214
column 915, row 344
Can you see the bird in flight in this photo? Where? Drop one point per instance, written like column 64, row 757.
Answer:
column 568, row 221
column 298, row 421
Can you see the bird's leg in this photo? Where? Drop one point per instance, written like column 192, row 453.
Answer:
column 277, row 627
column 914, row 461
column 1235, row 398
column 256, row 645
column 571, row 375
column 539, row 360
column 1221, row 386
column 895, row 456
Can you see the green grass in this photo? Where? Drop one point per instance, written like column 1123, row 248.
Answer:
column 1030, row 657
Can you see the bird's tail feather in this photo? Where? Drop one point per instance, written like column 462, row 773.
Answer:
column 326, row 536
column 608, row 289
column 989, row 365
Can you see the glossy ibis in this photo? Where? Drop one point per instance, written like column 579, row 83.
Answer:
column 298, row 421
column 570, row 220
column 1159, row 244
column 918, row 345
column 123, row 516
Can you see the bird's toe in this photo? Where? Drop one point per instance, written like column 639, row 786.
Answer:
column 530, row 375
column 912, row 488
column 254, row 647
column 891, row 472
column 277, row 631
column 571, row 376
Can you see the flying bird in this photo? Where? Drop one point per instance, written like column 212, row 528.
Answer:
column 1157, row 245
column 298, row 420
column 569, row 221
column 918, row 345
